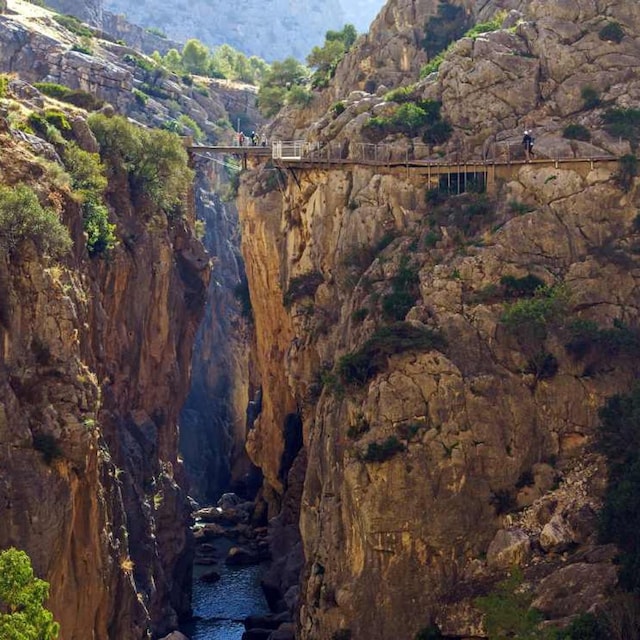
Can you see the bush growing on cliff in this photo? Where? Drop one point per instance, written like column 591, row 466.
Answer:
column 154, row 161
column 612, row 31
column 623, row 123
column 576, row 132
column 529, row 319
column 325, row 59
column 74, row 25
column 508, row 613
column 22, row 217
column 302, row 286
column 382, row 451
column 77, row 97
column 397, row 303
column 89, row 183
column 22, row 595
column 359, row 366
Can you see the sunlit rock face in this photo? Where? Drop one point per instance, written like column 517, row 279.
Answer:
column 444, row 419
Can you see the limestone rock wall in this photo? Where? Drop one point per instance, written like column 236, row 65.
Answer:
column 94, row 367
column 413, row 464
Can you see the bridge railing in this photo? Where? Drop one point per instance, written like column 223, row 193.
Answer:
column 379, row 154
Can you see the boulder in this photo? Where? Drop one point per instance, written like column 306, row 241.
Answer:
column 574, row 589
column 239, row 556
column 556, row 535
column 508, row 548
column 229, row 500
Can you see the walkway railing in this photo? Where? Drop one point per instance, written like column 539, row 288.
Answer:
column 299, row 152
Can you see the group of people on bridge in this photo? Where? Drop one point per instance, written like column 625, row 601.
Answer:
column 250, row 140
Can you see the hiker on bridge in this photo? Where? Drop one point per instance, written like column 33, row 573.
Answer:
column 527, row 143
column 241, row 139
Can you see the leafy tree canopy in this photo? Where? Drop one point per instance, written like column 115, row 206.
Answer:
column 22, row 615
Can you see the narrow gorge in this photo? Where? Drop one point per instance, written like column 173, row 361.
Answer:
column 392, row 369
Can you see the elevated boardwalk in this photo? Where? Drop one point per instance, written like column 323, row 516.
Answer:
column 415, row 159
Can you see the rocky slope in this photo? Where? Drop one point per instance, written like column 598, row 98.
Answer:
column 427, row 416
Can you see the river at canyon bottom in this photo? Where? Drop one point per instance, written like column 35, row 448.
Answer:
column 219, row 608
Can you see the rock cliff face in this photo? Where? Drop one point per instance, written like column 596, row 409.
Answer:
column 427, row 413
column 94, row 367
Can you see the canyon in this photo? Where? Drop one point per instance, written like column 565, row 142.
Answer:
column 423, row 392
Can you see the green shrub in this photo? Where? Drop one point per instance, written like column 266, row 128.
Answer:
column 4, row 85
column 189, row 123
column 22, row 217
column 139, row 61
column 44, row 129
column 359, row 366
column 22, row 596
column 382, row 451
column 623, row 123
column 486, row 27
column 508, row 614
column 100, row 232
column 358, row 428
column 82, row 48
column 302, row 286
column 155, row 161
column 157, row 31
column 338, row 108
column 74, row 25
column 529, row 319
column 48, row 446
column 58, row 119
column 612, row 32
column 299, row 96
column 587, row 337
column 154, row 90
column 437, row 133
column 524, row 287
column 543, row 365
column 77, row 97
column 412, row 118
column 576, row 132
column 585, row 627
column 396, row 305
column 590, row 98
column 401, row 94
column 141, row 98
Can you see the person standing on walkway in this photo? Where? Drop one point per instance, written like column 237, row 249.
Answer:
column 527, row 143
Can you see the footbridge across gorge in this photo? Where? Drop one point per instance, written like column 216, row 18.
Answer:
column 453, row 175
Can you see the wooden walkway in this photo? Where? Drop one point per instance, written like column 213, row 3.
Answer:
column 389, row 159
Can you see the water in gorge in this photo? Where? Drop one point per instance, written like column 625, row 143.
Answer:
column 219, row 608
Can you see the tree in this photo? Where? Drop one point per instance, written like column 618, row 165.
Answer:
column 22, row 616
column 195, row 57
column 22, row 217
